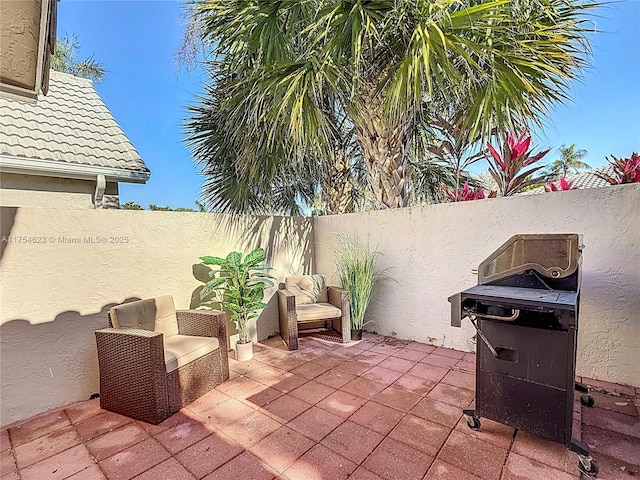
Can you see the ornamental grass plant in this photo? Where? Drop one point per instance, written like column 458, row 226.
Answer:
column 356, row 268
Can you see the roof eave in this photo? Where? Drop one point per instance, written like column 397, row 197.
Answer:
column 51, row 168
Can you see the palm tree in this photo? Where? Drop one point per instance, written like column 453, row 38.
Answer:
column 390, row 65
column 570, row 161
column 65, row 60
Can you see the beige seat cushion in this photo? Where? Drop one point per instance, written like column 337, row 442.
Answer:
column 155, row 314
column 317, row 311
column 308, row 288
column 182, row 349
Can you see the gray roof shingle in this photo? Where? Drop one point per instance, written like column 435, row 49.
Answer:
column 71, row 124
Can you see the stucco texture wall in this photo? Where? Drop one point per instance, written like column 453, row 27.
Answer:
column 61, row 270
column 430, row 251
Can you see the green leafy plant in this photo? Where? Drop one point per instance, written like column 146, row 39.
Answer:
column 240, row 285
column 356, row 268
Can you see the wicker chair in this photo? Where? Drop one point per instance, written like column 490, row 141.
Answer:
column 153, row 360
column 307, row 300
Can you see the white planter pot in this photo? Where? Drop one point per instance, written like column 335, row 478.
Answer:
column 244, row 351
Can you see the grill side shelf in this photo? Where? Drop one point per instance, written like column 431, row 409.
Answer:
column 522, row 297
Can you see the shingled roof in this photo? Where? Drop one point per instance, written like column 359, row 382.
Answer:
column 587, row 179
column 70, row 131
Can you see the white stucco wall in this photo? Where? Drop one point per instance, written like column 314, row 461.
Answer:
column 431, row 250
column 56, row 286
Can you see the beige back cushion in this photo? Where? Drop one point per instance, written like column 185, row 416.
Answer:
column 308, row 288
column 156, row 314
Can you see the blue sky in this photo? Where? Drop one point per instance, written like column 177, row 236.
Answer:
column 146, row 92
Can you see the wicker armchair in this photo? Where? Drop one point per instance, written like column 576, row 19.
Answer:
column 154, row 360
column 307, row 301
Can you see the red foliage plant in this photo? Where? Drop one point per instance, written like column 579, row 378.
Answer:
column 563, row 185
column 509, row 168
column 625, row 170
column 466, row 193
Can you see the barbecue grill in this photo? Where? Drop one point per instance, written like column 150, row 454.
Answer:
column 525, row 311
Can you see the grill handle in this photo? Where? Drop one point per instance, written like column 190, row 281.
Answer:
column 511, row 318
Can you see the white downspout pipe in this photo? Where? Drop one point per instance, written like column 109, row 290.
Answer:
column 101, row 186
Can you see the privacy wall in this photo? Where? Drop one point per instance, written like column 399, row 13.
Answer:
column 428, row 254
column 61, row 270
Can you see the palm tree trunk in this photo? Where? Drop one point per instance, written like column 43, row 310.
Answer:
column 337, row 187
column 383, row 148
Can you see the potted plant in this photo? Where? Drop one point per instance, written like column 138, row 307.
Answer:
column 356, row 268
column 240, row 286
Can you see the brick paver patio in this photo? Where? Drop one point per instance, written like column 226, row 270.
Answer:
column 377, row 409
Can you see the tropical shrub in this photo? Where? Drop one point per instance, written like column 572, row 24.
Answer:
column 625, row 170
column 240, row 286
column 509, row 169
column 564, row 184
column 466, row 193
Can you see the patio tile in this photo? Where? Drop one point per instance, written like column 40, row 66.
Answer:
column 329, row 360
column 385, row 349
column 492, row 432
column 243, row 467
column 470, row 357
column 251, row 429
column 353, row 367
column 352, row 441
column 134, row 460
column 398, row 364
column 370, row 358
column 59, row 466
column 613, row 421
column 11, row 476
column 289, row 382
column 266, row 375
column 363, row 387
column 92, row 472
column 363, row 474
column 465, row 366
column 609, row 387
column 342, row 403
column 308, row 353
column 421, row 434
column 320, row 463
column 7, row 463
column 411, row 383
column 263, row 397
column 38, row 426
column 445, row 471
column 228, row 413
column 315, row 423
column 376, row 417
column 437, row 412
column 184, row 434
column 286, row 408
column 459, row 397
column 371, row 337
column 428, row 372
column 310, row 370
column 473, row 455
column 47, row 446
column 241, row 388
column 312, row 392
column 382, row 375
column 449, row 352
column 545, row 451
column 99, row 424
column 287, row 363
column 5, row 443
column 409, row 354
column 113, row 442
column 460, row 379
column 439, row 361
column 169, row 469
column 83, row 410
column 397, row 398
column 394, row 460
column 347, row 352
column 615, row 403
column 244, row 367
column 281, row 448
column 203, row 406
column 204, row 457
column 621, row 447
column 614, row 469
column 421, row 347
column 334, row 378
column 519, row 467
